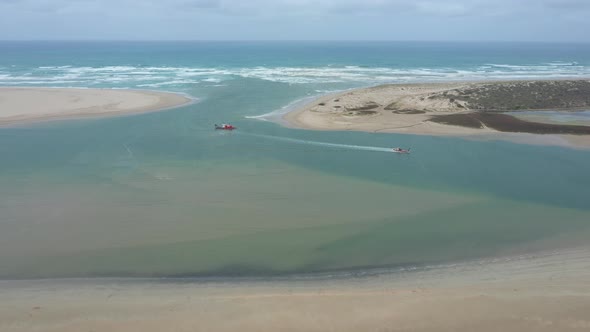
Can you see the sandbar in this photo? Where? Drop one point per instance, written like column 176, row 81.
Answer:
column 468, row 109
column 24, row 105
column 543, row 292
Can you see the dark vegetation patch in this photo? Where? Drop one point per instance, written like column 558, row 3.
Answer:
column 508, row 123
column 391, row 107
column 462, row 120
column 408, row 112
column 367, row 106
column 362, row 112
column 366, row 112
column 509, row 96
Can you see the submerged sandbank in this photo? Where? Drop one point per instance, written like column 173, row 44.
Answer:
column 545, row 292
column 453, row 109
column 20, row 105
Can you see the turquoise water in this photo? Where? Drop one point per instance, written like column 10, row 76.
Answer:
column 163, row 194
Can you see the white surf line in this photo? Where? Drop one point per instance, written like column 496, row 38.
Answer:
column 324, row 144
column 276, row 115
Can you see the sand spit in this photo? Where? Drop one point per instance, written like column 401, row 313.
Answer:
column 24, row 105
column 452, row 109
column 545, row 292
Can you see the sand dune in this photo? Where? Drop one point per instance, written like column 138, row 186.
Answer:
column 429, row 108
column 18, row 105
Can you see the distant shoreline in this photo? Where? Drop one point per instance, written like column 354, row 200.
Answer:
column 21, row 105
column 467, row 109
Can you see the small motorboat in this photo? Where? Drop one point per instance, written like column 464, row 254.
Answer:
column 224, row 127
column 400, row 150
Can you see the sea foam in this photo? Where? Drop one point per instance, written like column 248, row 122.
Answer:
column 139, row 76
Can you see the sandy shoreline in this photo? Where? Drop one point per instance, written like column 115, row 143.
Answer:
column 542, row 292
column 25, row 105
column 409, row 109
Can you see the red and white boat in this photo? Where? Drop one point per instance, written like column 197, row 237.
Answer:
column 224, row 127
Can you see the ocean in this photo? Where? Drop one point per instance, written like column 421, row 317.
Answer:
column 164, row 195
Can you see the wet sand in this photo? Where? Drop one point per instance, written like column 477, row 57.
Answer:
column 25, row 105
column 468, row 109
column 544, row 292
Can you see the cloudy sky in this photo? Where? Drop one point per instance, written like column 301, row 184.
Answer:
column 504, row 20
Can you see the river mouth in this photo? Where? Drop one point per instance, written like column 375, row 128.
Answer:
column 165, row 195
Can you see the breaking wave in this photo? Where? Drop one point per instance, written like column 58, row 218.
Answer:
column 154, row 77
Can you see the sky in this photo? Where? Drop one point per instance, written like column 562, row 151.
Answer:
column 434, row 20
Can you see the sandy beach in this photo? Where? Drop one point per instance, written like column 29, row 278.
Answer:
column 545, row 292
column 24, row 105
column 441, row 109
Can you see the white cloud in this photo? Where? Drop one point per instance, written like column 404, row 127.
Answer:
column 300, row 19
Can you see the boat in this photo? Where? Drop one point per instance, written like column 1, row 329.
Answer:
column 400, row 150
column 224, row 127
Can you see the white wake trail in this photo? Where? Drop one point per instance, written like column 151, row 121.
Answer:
column 324, row 144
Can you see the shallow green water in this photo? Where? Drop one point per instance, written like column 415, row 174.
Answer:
column 163, row 194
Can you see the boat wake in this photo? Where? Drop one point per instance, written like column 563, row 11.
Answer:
column 322, row 144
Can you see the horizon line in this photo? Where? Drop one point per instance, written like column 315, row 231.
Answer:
column 298, row 40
